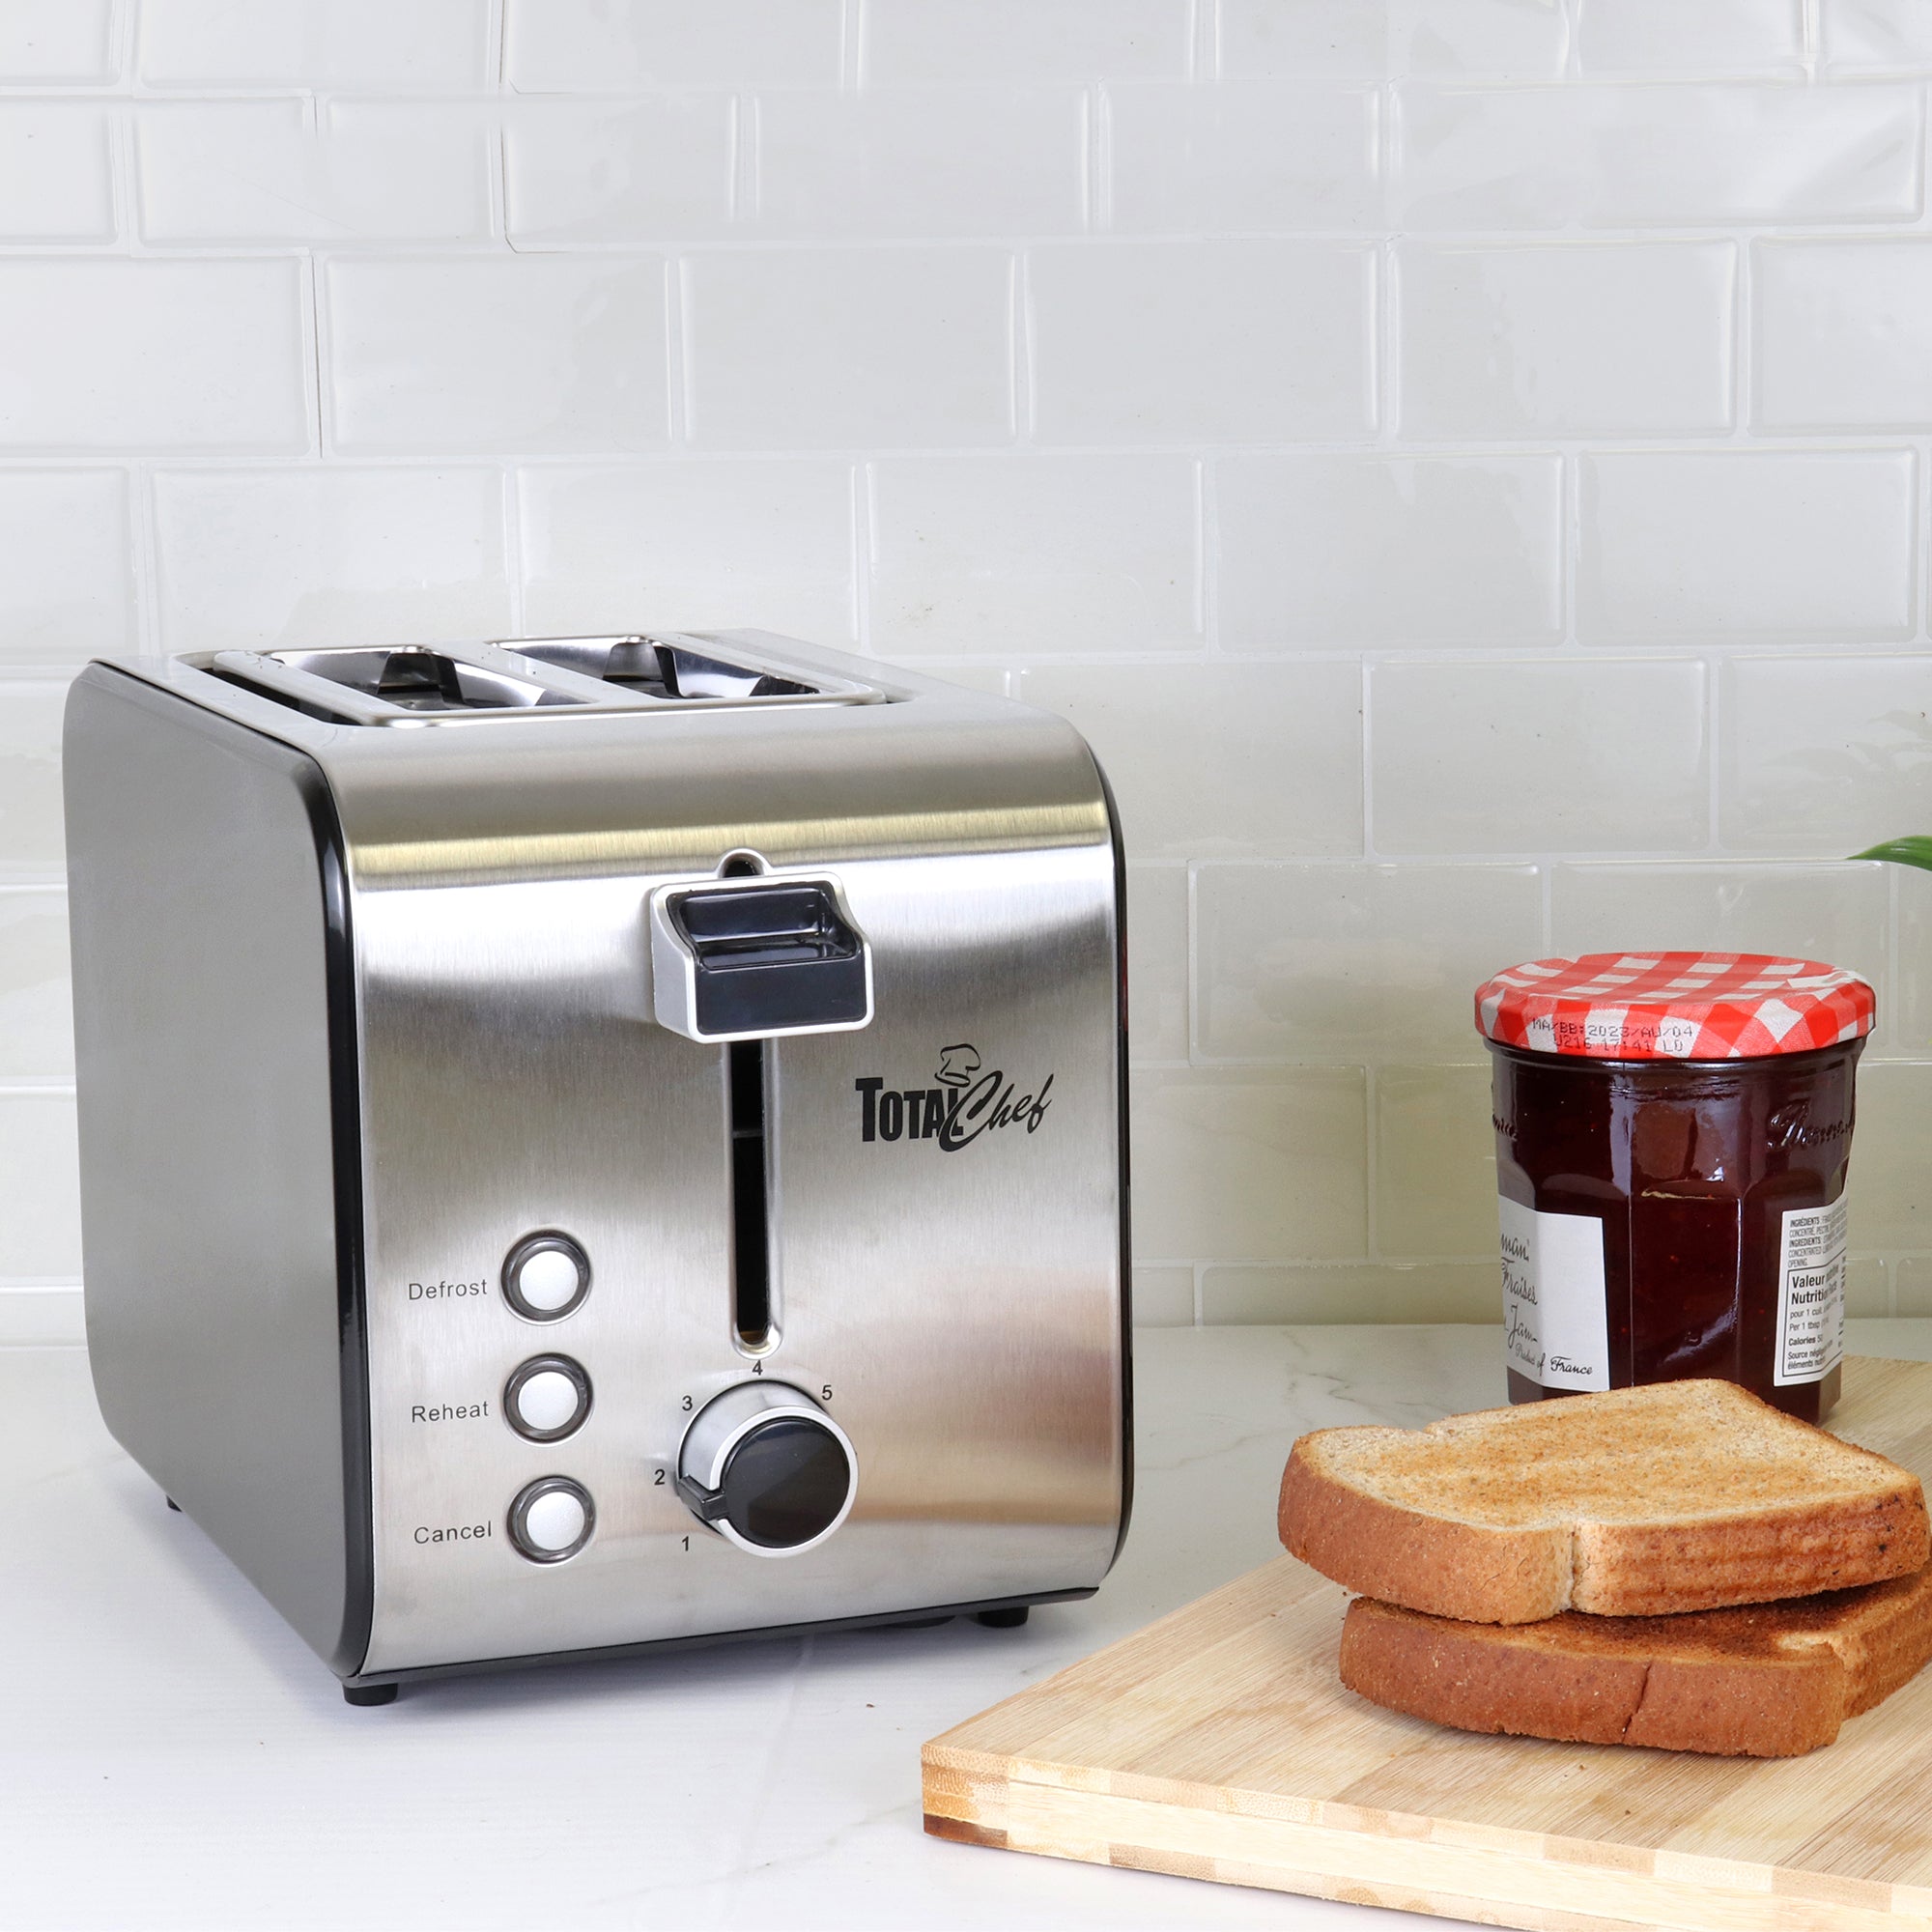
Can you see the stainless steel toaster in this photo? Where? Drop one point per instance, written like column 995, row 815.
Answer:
column 601, row 1142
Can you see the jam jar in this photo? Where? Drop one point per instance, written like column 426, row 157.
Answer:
column 1673, row 1134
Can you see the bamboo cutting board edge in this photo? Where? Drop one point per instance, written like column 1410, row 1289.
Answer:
column 1019, row 1777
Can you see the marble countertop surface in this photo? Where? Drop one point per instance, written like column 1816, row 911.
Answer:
column 174, row 1756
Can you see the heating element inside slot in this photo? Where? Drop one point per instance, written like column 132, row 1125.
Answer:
column 753, row 1314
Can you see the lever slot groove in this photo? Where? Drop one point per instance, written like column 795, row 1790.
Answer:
column 752, row 1315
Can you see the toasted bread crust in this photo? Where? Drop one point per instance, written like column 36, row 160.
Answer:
column 1474, row 1678
column 1456, row 1568
column 1641, row 1502
column 1771, row 1680
column 1645, row 1569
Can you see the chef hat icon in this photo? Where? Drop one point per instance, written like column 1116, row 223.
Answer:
column 957, row 1064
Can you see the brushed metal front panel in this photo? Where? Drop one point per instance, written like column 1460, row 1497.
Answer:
column 960, row 1304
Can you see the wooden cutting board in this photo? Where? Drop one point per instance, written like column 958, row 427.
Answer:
column 1219, row 1743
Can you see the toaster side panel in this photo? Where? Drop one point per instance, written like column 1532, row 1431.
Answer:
column 215, row 1030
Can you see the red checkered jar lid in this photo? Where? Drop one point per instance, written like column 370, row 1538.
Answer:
column 1673, row 1005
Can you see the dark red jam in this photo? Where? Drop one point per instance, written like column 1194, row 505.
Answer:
column 1719, row 1188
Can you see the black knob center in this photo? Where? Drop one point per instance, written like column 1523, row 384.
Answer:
column 784, row 1483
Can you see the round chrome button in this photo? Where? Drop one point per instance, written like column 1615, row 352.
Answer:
column 547, row 1398
column 552, row 1518
column 545, row 1276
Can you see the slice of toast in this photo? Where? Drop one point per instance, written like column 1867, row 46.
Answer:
column 1636, row 1502
column 1771, row 1680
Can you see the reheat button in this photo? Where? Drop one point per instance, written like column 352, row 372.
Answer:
column 552, row 1518
column 546, row 1276
column 547, row 1398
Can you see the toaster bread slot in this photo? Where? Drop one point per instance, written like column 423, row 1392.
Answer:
column 422, row 680
column 383, row 687
column 751, row 1313
column 741, row 962
column 675, row 670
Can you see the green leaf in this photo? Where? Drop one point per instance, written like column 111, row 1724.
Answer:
column 1902, row 852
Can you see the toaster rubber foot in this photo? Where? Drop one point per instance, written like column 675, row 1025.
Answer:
column 362, row 1695
column 172, row 1504
column 1010, row 1618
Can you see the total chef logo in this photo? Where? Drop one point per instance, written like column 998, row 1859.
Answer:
column 969, row 1101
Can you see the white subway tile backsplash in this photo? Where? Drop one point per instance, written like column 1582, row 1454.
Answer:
column 30, row 784
column 1840, row 338
column 56, row 174
column 1010, row 555
column 1616, row 338
column 1747, row 543
column 1349, row 1291
column 61, row 42
column 1163, row 1298
column 252, row 559
column 1550, row 756
column 1227, row 760
column 1240, row 155
column 689, row 546
column 1180, row 365
column 1743, row 37
column 1355, row 963
column 836, row 347
column 420, row 44
column 67, row 588
column 921, row 161
column 1914, row 1284
column 1258, row 1164
column 264, row 171
column 1875, row 36
column 1435, row 1161
column 130, row 356
column 1157, row 962
column 1234, row 341
column 544, row 352
column 36, row 1004
column 625, row 47
column 1388, row 551
column 1868, row 1291
column 587, row 174
column 1517, row 38
column 1023, row 40
column 1656, row 157
column 1825, row 755
column 1888, row 1187
column 1905, row 1021
column 40, row 1187
column 1810, row 911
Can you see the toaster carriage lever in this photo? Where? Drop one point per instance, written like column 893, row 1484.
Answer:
column 749, row 960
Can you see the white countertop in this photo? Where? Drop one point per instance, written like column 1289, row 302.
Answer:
column 174, row 1756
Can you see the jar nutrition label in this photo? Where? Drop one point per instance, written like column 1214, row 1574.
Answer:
column 1556, row 1327
column 1811, row 1293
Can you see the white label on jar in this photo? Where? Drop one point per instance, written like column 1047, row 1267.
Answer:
column 1555, row 1319
column 1811, row 1293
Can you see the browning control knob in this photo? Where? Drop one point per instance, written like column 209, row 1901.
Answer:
column 767, row 1468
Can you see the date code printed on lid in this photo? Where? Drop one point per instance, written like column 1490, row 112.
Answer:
column 1811, row 1293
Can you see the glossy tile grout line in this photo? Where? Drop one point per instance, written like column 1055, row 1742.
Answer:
column 1454, row 527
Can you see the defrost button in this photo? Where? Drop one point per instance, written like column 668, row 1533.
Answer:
column 552, row 1518
column 545, row 1276
column 547, row 1398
